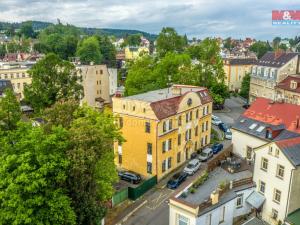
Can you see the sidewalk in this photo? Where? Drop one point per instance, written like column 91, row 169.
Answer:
column 125, row 209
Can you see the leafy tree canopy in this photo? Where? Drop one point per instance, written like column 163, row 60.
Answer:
column 169, row 40
column 89, row 51
column 27, row 30
column 260, row 48
column 53, row 80
column 245, row 86
column 10, row 112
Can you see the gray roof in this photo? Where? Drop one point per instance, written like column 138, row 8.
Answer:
column 271, row 60
column 255, row 221
column 161, row 94
column 255, row 199
column 291, row 149
column 244, row 123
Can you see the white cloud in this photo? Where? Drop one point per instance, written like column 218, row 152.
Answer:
column 236, row 18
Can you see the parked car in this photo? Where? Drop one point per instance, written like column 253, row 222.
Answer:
column 194, row 155
column 176, row 180
column 215, row 120
column 223, row 127
column 217, row 147
column 192, row 166
column 228, row 134
column 218, row 106
column 130, row 177
column 246, row 106
column 206, row 154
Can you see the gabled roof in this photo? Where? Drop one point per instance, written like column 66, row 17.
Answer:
column 291, row 149
column 285, row 84
column 241, row 61
column 274, row 113
column 246, row 125
column 276, row 59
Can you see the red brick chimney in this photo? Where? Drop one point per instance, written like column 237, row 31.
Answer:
column 278, row 53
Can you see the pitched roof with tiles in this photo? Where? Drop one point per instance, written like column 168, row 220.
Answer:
column 286, row 83
column 291, row 149
column 275, row 113
column 241, row 61
column 165, row 103
column 276, row 59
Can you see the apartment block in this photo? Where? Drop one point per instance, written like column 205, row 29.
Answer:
column 162, row 128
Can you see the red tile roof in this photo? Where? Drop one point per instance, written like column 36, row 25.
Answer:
column 274, row 113
column 286, row 83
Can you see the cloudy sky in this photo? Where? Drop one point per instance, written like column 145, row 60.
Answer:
column 196, row 18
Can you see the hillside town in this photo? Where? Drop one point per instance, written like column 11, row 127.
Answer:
column 124, row 127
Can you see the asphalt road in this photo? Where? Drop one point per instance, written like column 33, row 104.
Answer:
column 156, row 210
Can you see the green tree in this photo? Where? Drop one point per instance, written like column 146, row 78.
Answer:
column 140, row 77
column 260, row 48
column 228, row 44
column 13, row 47
column 276, row 42
column 27, row 30
column 132, row 40
column 169, row 41
column 283, row 47
column 53, row 79
column 59, row 39
column 107, row 50
column 209, row 63
column 245, row 86
column 10, row 112
column 2, row 51
column 219, row 93
column 89, row 51
column 93, row 172
column 33, row 173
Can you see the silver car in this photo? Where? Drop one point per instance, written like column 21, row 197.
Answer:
column 192, row 166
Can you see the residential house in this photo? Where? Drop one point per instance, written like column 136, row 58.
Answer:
column 288, row 90
column 18, row 75
column 271, row 69
column 211, row 205
column 132, row 52
column 162, row 128
column 277, row 178
column 99, row 84
column 265, row 121
column 235, row 70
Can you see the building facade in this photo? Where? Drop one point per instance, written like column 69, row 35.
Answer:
column 18, row 76
column 235, row 70
column 288, row 90
column 271, row 69
column 265, row 121
column 277, row 178
column 99, row 84
column 162, row 128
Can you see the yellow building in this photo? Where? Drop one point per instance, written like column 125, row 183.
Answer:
column 162, row 128
column 235, row 69
column 135, row 52
column 18, row 76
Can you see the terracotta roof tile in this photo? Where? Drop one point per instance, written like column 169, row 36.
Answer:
column 286, row 84
column 274, row 113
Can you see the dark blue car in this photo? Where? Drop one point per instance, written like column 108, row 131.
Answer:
column 217, row 147
column 176, row 180
column 223, row 127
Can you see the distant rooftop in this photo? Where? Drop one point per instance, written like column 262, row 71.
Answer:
column 163, row 94
column 276, row 59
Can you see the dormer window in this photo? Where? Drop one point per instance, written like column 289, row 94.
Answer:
column 293, row 84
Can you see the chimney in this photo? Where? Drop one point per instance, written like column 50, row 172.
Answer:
column 214, row 196
column 278, row 53
column 176, row 90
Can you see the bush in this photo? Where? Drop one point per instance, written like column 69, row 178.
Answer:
column 192, row 190
column 201, row 180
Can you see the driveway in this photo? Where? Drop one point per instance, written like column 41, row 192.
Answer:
column 233, row 109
